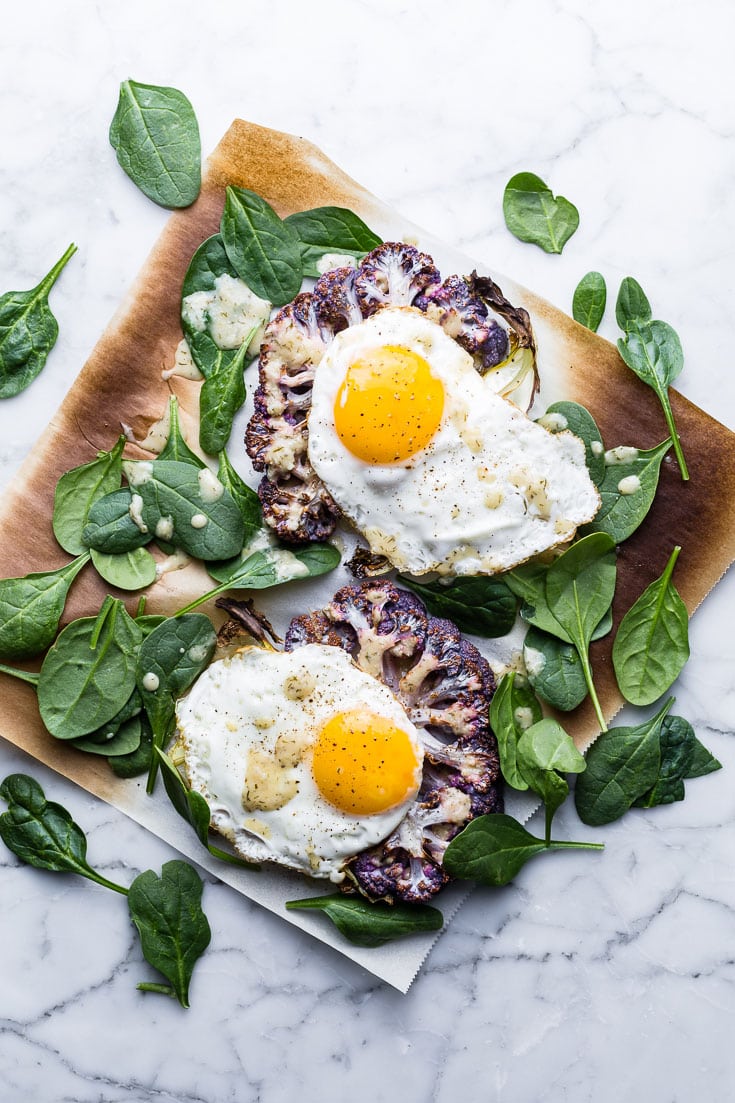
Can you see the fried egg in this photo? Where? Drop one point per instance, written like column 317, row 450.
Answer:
column 303, row 759
column 435, row 469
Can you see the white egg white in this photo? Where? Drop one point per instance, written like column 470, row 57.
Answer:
column 491, row 489
column 246, row 730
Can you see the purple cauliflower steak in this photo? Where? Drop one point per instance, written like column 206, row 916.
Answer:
column 296, row 504
column 445, row 686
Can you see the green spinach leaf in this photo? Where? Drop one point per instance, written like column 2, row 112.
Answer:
column 653, row 351
column 554, row 670
column 532, row 213
column 137, row 762
column 245, row 497
column 133, row 570
column 544, row 750
column 579, row 591
column 576, row 419
column 632, row 304
column 170, row 658
column 622, row 765
column 482, row 606
column 28, row 331
column 368, row 924
column 155, row 135
column 42, row 833
column 330, row 230
column 173, row 929
column 89, row 672
column 199, row 514
column 493, row 848
column 263, row 249
column 627, row 489
column 513, row 709
column 702, row 761
column 272, row 567
column 588, row 303
column 110, row 527
column 652, row 642
column 124, row 741
column 193, row 808
column 76, row 492
column 31, row 607
column 176, row 447
column 677, row 744
column 221, row 396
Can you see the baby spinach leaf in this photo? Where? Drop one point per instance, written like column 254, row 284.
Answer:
column 513, row 709
column 246, row 499
column 31, row 607
column 482, row 606
column 263, row 249
column 42, row 833
column 623, row 510
column 133, row 570
column 330, row 230
column 702, row 761
column 622, row 765
column 28, row 331
column 652, row 641
column 653, row 351
column 221, row 396
column 193, row 808
column 76, row 492
column 554, row 670
column 588, row 303
column 372, row 924
column 571, row 416
column 110, row 527
column 677, row 744
column 155, row 135
column 272, row 567
column 200, row 515
column 544, row 749
column 173, row 929
column 579, row 590
column 209, row 262
column 176, row 447
column 632, row 304
column 170, row 658
column 138, row 761
column 89, row 672
column 532, row 213
column 493, row 848
column 124, row 741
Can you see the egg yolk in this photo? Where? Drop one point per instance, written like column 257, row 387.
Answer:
column 389, row 405
column 363, row 763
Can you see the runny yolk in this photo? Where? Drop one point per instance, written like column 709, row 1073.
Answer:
column 389, row 405
column 363, row 764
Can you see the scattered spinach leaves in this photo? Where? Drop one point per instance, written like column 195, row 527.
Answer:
column 176, row 447
column 652, row 642
column 110, row 527
column 372, row 924
column 28, row 331
column 513, row 709
column 544, row 751
column 155, row 135
column 554, row 670
column 245, row 497
column 532, row 213
column 577, row 419
column 588, row 302
column 132, row 570
column 221, row 396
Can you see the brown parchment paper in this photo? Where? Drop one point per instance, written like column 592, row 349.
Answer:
column 122, row 383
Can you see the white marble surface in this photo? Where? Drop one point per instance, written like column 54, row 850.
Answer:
column 589, row 978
